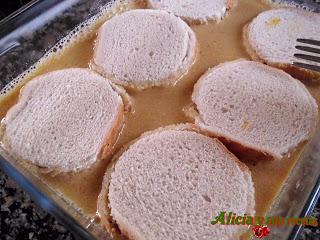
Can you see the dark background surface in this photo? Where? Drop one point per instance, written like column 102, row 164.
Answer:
column 22, row 219
column 9, row 6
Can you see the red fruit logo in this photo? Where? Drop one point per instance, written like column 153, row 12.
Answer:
column 261, row 231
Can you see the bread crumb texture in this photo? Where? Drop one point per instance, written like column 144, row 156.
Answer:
column 194, row 10
column 272, row 34
column 62, row 118
column 143, row 48
column 170, row 185
column 258, row 106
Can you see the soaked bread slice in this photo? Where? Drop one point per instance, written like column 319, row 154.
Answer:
column 170, row 183
column 64, row 120
column 254, row 105
column 195, row 11
column 144, row 48
column 271, row 38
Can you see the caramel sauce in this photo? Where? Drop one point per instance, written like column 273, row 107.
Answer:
column 162, row 106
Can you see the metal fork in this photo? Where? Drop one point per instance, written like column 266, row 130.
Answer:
column 308, row 57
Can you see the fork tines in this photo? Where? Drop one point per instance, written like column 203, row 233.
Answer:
column 308, row 57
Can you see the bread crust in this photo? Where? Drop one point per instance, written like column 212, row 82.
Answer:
column 296, row 72
column 103, row 208
column 112, row 134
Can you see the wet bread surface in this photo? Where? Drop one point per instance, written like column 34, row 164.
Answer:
column 162, row 187
column 271, row 38
column 144, row 48
column 195, row 11
column 64, row 120
column 256, row 106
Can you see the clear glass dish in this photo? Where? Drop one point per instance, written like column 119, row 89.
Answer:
column 29, row 33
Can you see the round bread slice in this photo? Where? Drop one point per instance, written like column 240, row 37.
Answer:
column 144, row 48
column 171, row 183
column 271, row 38
column 64, row 120
column 195, row 11
column 256, row 106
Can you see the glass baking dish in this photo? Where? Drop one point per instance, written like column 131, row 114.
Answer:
column 29, row 33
